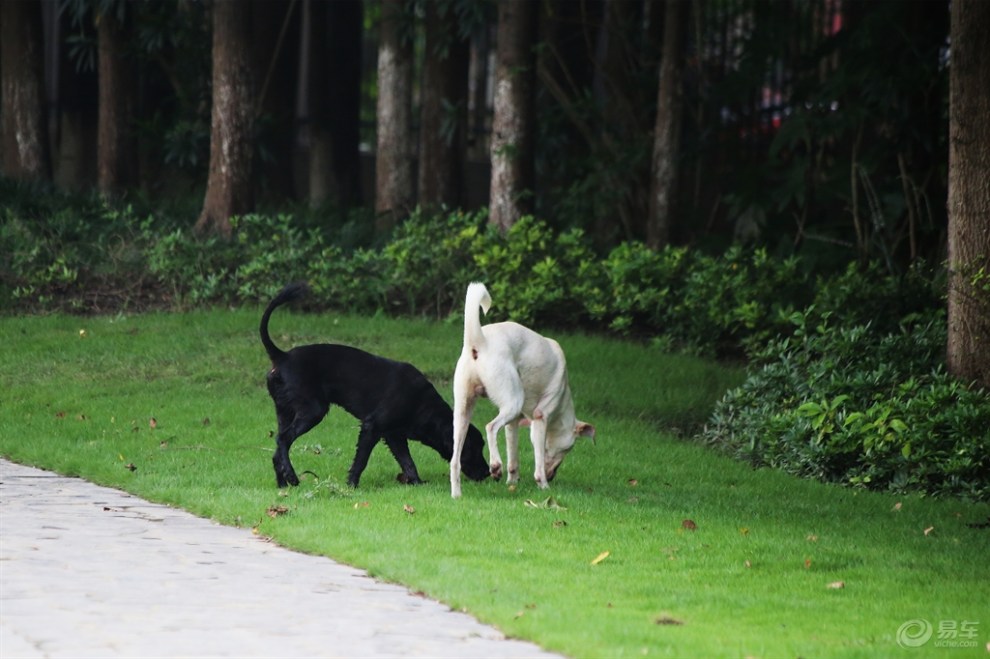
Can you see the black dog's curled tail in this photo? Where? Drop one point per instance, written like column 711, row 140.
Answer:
column 288, row 294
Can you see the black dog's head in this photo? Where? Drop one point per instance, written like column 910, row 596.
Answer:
column 473, row 461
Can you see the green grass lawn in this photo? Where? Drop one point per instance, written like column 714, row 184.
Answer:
column 707, row 557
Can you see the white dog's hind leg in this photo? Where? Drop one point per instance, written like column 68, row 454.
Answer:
column 505, row 416
column 463, row 409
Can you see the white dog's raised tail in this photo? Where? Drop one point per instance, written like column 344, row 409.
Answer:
column 477, row 296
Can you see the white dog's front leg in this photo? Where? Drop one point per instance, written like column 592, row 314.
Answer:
column 538, row 436
column 512, row 451
column 494, row 458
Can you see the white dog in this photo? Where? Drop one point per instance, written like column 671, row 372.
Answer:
column 525, row 375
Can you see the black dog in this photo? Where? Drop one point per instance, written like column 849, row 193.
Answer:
column 392, row 400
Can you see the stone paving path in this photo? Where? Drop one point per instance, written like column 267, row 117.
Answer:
column 87, row 571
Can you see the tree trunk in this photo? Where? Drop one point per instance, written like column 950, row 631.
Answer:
column 513, row 126
column 228, row 188
column 968, row 352
column 116, row 154
column 443, row 117
column 25, row 154
column 394, row 183
column 667, row 134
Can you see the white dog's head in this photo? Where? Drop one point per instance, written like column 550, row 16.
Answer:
column 560, row 440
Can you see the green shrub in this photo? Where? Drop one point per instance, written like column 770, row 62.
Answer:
column 708, row 304
column 429, row 261
column 855, row 406
column 534, row 275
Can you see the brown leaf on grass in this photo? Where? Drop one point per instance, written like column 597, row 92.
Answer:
column 601, row 557
column 668, row 620
column 130, row 466
column 206, row 421
column 275, row 511
column 812, row 538
column 559, row 524
column 60, row 414
column 633, row 482
column 836, row 585
column 747, row 564
column 362, row 504
column 689, row 525
column 897, row 507
column 929, row 530
column 409, row 509
column 807, row 564
column 153, row 423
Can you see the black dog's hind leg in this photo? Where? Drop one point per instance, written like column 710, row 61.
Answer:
column 399, row 445
column 291, row 424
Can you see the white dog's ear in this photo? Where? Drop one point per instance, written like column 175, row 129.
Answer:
column 582, row 429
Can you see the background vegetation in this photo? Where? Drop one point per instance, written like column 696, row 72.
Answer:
column 846, row 371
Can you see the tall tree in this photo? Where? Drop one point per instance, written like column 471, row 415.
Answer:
column 25, row 153
column 443, row 113
column 667, row 133
column 394, row 183
column 968, row 351
column 513, row 126
column 116, row 149
column 228, row 187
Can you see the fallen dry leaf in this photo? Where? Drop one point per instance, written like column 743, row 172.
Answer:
column 837, row 585
column 547, row 504
column 409, row 509
column 362, row 504
column 275, row 511
column 897, row 506
column 633, row 482
column 807, row 564
column 668, row 620
column 130, row 466
column 747, row 564
column 812, row 538
column 929, row 530
column 559, row 524
column 82, row 334
column 601, row 557
column 689, row 525
column 153, row 423
column 744, row 531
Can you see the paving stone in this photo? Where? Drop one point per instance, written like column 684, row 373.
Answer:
column 87, row 571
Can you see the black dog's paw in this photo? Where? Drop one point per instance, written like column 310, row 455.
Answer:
column 408, row 480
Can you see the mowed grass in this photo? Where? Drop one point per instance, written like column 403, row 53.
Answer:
column 706, row 556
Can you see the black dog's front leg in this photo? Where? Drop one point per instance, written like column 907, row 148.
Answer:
column 367, row 439
column 399, row 446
